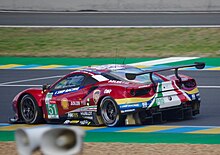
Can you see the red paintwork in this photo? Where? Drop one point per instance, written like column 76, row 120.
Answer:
column 120, row 90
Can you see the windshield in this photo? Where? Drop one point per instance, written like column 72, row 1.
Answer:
column 145, row 78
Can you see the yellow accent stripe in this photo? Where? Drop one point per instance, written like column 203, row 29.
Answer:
column 215, row 68
column 150, row 128
column 90, row 128
column 207, row 131
column 194, row 91
column 10, row 66
column 14, row 127
column 142, row 66
column 48, row 67
column 132, row 100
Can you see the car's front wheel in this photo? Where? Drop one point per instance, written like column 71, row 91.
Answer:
column 30, row 112
column 110, row 112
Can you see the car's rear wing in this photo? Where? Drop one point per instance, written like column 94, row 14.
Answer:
column 132, row 76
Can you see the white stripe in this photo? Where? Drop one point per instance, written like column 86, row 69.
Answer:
column 169, row 26
column 34, row 79
column 20, row 85
column 112, row 12
column 215, row 87
column 163, row 61
column 100, row 78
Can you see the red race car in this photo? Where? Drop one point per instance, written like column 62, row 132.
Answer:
column 113, row 95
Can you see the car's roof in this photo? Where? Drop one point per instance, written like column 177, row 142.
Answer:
column 106, row 68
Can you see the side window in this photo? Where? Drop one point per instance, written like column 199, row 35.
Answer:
column 70, row 81
column 89, row 81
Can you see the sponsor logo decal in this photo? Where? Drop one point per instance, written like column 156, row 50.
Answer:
column 86, row 113
column 60, row 92
column 86, row 108
column 72, row 103
column 125, row 106
column 117, row 82
column 96, row 95
column 71, row 122
column 107, row 91
column 73, row 115
column 85, row 122
column 128, row 110
column 65, row 103
column 88, row 117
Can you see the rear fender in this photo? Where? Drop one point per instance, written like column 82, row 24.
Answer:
column 183, row 77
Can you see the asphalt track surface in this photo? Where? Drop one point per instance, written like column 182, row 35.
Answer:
column 210, row 107
column 109, row 19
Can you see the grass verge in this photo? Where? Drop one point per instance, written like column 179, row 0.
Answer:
column 126, row 42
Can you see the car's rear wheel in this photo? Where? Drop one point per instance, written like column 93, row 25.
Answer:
column 110, row 112
column 30, row 112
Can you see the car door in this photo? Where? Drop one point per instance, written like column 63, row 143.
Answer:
column 64, row 96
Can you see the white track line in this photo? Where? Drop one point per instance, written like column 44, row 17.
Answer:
column 34, row 79
column 111, row 12
column 20, row 85
column 169, row 26
column 163, row 61
column 215, row 87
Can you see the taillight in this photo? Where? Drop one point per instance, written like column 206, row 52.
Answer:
column 189, row 83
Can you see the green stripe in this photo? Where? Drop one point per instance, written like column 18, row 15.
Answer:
column 138, row 137
column 7, row 136
column 69, row 61
column 94, row 61
column 153, row 138
column 208, row 61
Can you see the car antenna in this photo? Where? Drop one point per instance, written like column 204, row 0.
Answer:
column 116, row 55
column 124, row 60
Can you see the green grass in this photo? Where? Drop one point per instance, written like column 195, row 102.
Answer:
column 128, row 42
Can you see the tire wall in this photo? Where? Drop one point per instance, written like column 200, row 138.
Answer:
column 111, row 5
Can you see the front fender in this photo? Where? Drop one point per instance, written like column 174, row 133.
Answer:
column 35, row 92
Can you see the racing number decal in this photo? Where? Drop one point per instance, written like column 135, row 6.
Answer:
column 52, row 109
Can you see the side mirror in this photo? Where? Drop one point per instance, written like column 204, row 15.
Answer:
column 45, row 87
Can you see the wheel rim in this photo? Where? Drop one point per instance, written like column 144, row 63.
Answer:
column 109, row 111
column 28, row 109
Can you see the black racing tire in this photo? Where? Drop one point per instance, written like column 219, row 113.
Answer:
column 30, row 112
column 110, row 112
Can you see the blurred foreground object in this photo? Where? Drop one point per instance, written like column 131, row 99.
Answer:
column 50, row 140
